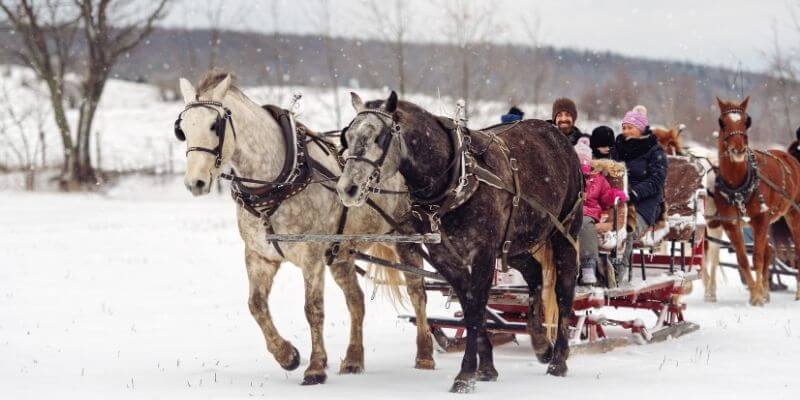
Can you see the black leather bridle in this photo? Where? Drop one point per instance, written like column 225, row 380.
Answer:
column 387, row 134
column 219, row 126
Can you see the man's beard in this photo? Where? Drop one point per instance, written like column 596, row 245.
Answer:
column 565, row 128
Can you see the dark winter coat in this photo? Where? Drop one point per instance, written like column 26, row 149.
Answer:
column 647, row 170
column 574, row 135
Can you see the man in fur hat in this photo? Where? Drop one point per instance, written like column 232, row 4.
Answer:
column 563, row 117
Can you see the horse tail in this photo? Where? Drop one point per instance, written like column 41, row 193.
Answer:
column 389, row 278
column 544, row 255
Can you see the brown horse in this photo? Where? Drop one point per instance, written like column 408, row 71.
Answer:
column 755, row 186
column 670, row 139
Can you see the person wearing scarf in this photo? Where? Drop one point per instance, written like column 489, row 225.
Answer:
column 646, row 163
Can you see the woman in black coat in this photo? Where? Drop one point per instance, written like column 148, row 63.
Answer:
column 646, row 163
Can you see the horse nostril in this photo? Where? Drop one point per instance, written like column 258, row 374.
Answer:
column 352, row 190
column 199, row 184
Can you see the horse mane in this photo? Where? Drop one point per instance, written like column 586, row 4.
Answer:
column 411, row 113
column 213, row 77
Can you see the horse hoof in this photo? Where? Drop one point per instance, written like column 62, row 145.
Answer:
column 314, row 379
column 295, row 362
column 756, row 302
column 557, row 369
column 547, row 356
column 463, row 386
column 350, row 369
column 425, row 364
column 488, row 375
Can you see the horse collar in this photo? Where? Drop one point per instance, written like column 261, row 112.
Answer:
column 741, row 195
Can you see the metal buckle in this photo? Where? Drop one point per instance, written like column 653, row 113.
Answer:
column 515, row 201
column 506, row 246
column 435, row 221
column 514, row 164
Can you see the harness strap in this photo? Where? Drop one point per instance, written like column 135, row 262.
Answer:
column 493, row 180
column 506, row 246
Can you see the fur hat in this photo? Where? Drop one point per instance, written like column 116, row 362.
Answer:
column 602, row 136
column 567, row 105
column 637, row 117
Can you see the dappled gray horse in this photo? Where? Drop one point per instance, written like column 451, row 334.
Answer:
column 222, row 126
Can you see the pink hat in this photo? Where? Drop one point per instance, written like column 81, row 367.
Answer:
column 584, row 155
column 637, row 117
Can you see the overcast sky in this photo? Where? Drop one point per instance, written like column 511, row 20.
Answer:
column 707, row 32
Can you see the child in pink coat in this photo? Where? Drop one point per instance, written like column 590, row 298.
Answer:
column 599, row 196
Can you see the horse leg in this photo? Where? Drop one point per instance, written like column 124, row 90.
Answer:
column 734, row 233
column 793, row 221
column 314, row 277
column 531, row 271
column 565, row 258
column 260, row 273
column 459, row 277
column 344, row 273
column 709, row 272
column 482, row 278
column 415, row 286
column 760, row 227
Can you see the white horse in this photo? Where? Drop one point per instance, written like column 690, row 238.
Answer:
column 252, row 143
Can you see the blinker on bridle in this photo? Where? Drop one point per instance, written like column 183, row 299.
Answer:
column 384, row 140
column 220, row 125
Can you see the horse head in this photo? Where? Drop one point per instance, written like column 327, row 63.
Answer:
column 733, row 124
column 205, row 125
column 670, row 139
column 371, row 153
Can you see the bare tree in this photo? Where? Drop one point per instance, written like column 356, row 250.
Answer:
column 47, row 29
column 539, row 69
column 782, row 70
column 468, row 24
column 214, row 11
column 392, row 26
column 323, row 21
column 22, row 132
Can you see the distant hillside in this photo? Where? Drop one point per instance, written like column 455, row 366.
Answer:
column 603, row 84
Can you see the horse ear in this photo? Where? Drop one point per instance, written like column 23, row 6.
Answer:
column 221, row 89
column 391, row 102
column 356, row 101
column 744, row 103
column 187, row 90
column 720, row 103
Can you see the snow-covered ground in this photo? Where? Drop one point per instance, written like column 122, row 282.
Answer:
column 141, row 293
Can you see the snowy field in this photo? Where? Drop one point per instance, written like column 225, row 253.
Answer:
column 141, row 293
